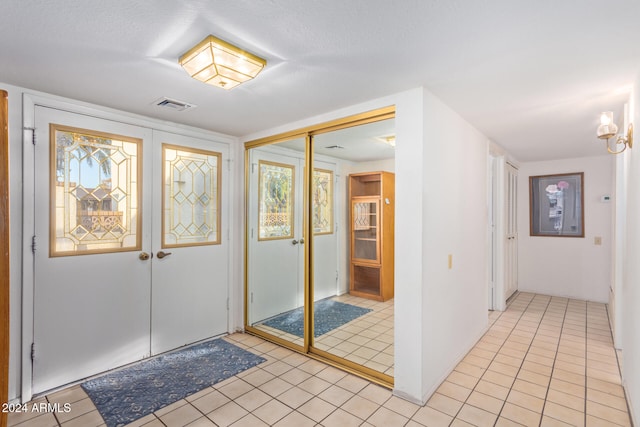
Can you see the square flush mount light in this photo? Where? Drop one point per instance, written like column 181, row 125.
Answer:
column 221, row 64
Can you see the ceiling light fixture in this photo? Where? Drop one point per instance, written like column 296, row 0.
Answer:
column 221, row 64
column 608, row 130
column 388, row 139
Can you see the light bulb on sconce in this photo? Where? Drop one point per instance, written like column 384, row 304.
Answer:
column 608, row 130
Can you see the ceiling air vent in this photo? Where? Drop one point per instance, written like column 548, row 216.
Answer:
column 173, row 104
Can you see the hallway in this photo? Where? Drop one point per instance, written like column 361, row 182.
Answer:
column 546, row 361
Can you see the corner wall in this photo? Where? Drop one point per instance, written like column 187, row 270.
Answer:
column 455, row 223
column 571, row 267
column 631, row 283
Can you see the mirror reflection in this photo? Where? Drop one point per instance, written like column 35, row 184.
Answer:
column 352, row 212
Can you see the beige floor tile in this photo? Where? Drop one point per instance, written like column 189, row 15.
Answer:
column 606, row 387
column 564, row 414
column 78, row 409
column 295, row 419
column 569, row 377
column 454, row 391
column 521, row 415
column 93, row 419
column 210, row 401
column 360, row 407
column 401, row 406
column 445, row 404
column 430, row 417
column 567, row 387
column 375, row 393
column 505, row 422
column 316, row 409
column 485, row 402
column 294, row 397
column 469, row 369
column 491, row 389
column 607, row 399
column 336, row 395
column 476, row 416
column 565, row 399
column 253, row 399
column 384, row 417
column 352, row 383
column 608, row 413
column 552, row 422
column 272, row 411
column 181, row 416
column 227, row 414
column 341, row 418
column 498, row 378
column 503, row 368
column 235, row 389
column 248, row 420
column 525, row 400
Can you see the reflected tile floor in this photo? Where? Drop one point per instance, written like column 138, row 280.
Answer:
column 546, row 361
column 367, row 340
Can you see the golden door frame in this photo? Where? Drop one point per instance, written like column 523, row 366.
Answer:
column 307, row 133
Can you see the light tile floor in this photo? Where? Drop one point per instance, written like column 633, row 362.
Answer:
column 545, row 361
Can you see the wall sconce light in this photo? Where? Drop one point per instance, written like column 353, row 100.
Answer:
column 221, row 64
column 608, row 129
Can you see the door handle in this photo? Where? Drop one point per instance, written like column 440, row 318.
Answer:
column 144, row 256
column 294, row 242
column 302, row 241
column 162, row 254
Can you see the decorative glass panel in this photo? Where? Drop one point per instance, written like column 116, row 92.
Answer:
column 275, row 201
column 94, row 192
column 191, row 197
column 322, row 201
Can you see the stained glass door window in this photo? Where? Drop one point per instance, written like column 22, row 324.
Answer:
column 95, row 192
column 191, row 196
column 275, row 200
column 322, row 201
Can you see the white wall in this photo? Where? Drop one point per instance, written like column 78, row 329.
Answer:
column 630, row 297
column 569, row 266
column 455, row 222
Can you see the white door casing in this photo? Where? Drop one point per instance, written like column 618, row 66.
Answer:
column 511, row 244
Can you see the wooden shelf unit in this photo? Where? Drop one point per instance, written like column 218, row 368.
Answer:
column 371, row 219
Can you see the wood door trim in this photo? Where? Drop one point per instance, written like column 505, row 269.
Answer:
column 4, row 248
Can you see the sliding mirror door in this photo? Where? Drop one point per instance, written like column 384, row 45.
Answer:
column 275, row 240
column 319, row 241
column 352, row 250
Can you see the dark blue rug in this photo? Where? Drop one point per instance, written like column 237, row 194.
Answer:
column 125, row 395
column 328, row 315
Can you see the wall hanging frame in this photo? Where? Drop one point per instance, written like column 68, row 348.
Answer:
column 556, row 205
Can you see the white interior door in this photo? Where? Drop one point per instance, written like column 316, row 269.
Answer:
column 275, row 269
column 190, row 240
column 92, row 289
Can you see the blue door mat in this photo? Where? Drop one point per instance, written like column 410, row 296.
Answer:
column 128, row 394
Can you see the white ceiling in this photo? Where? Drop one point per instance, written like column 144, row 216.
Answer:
column 531, row 75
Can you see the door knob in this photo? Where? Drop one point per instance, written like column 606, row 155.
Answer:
column 294, row 242
column 162, row 254
column 302, row 241
column 144, row 256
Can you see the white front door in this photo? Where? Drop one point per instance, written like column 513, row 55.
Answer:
column 101, row 297
column 191, row 257
column 92, row 289
column 275, row 276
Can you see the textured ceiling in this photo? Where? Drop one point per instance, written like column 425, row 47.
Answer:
column 532, row 76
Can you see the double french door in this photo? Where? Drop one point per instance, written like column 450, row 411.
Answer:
column 131, row 253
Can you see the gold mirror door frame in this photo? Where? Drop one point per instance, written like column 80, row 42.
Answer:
column 318, row 223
